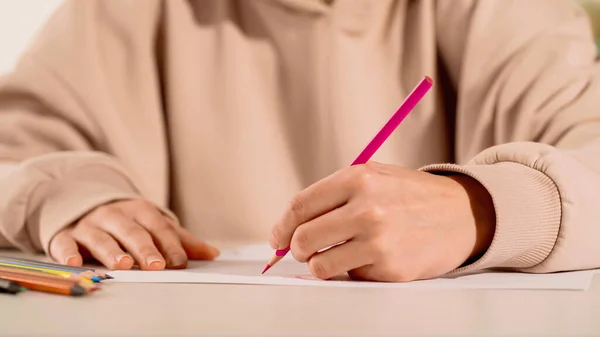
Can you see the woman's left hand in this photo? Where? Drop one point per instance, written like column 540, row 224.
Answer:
column 396, row 224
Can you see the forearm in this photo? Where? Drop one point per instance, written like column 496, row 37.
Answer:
column 528, row 130
column 68, row 128
column 48, row 193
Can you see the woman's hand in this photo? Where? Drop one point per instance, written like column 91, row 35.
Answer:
column 396, row 224
column 123, row 233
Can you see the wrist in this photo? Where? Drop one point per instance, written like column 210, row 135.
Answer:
column 482, row 211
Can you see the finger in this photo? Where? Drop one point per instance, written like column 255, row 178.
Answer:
column 323, row 232
column 340, row 259
column 64, row 249
column 316, row 200
column 134, row 238
column 103, row 247
column 195, row 248
column 164, row 236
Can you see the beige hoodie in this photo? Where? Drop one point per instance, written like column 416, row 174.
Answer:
column 222, row 110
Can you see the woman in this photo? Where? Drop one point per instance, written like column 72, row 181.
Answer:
column 130, row 130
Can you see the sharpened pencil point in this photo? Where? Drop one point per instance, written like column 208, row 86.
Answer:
column 108, row 277
column 14, row 287
column 77, row 290
column 266, row 268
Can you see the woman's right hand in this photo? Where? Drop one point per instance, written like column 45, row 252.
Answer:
column 124, row 233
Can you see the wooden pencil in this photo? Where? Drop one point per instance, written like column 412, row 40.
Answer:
column 57, row 266
column 65, row 274
column 73, row 277
column 9, row 287
column 45, row 283
column 86, row 285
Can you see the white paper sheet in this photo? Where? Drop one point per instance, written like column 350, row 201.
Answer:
column 244, row 266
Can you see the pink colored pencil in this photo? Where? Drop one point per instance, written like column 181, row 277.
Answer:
column 405, row 108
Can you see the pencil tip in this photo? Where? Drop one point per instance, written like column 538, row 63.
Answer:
column 14, row 288
column 77, row 290
column 108, row 277
column 266, row 268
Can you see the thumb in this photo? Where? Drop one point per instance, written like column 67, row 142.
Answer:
column 195, row 248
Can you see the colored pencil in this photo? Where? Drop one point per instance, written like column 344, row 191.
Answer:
column 405, row 108
column 57, row 266
column 46, row 283
column 9, row 287
column 65, row 274
column 72, row 277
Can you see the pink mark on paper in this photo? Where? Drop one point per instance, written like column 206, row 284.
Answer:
column 308, row 277
column 344, row 277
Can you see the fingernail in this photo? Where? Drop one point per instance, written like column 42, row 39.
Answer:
column 71, row 260
column 155, row 262
column 124, row 261
column 120, row 258
column 177, row 261
column 215, row 251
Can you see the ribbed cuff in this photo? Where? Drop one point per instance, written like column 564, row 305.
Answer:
column 528, row 213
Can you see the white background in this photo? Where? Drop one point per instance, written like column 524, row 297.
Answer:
column 19, row 21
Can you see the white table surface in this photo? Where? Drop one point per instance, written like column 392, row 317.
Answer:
column 122, row 309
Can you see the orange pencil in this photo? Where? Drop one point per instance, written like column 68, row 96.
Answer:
column 74, row 278
column 46, row 284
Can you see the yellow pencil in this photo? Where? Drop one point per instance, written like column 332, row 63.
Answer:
column 64, row 274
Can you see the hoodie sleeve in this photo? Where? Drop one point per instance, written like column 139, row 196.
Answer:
column 527, row 127
column 66, row 111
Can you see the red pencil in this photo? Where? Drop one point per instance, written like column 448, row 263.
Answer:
column 405, row 108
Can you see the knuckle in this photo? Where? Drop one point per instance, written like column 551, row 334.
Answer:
column 299, row 245
column 83, row 223
column 172, row 223
column 99, row 241
column 278, row 234
column 166, row 235
column 80, row 228
column 374, row 215
column 363, row 177
column 103, row 212
column 131, row 230
column 158, row 226
column 318, row 269
column 143, row 205
column 297, row 206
